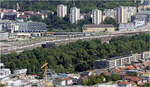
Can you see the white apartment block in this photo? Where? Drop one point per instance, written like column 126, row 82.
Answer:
column 96, row 16
column 124, row 13
column 121, row 60
column 109, row 13
column 61, row 10
column 74, row 15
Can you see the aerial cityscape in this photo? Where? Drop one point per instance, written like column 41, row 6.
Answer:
column 75, row 43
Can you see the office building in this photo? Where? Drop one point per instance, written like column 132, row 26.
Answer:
column 124, row 13
column 61, row 11
column 74, row 15
column 96, row 16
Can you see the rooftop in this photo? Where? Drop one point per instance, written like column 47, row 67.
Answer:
column 97, row 26
column 124, row 83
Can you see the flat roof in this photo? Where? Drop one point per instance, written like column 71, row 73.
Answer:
column 97, row 26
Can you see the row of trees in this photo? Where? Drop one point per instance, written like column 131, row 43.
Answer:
column 75, row 57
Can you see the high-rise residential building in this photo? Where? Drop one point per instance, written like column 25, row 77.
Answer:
column 96, row 16
column 61, row 10
column 142, row 1
column 124, row 13
column 74, row 15
column 111, row 13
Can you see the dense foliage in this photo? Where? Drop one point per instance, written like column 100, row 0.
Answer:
column 101, row 79
column 110, row 20
column 94, row 80
column 75, row 57
column 84, row 5
column 61, row 24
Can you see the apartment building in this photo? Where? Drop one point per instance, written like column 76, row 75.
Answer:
column 74, row 15
column 96, row 16
column 118, row 61
column 109, row 13
column 124, row 13
column 61, row 10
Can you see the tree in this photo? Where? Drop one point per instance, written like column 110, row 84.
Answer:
column 109, row 20
column 77, row 56
column 115, row 77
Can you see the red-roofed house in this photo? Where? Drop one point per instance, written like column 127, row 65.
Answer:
column 122, row 75
column 133, row 79
column 29, row 12
column 24, row 16
column 68, row 81
column 130, row 67
column 125, row 84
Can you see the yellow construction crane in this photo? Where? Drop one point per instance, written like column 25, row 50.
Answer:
column 45, row 73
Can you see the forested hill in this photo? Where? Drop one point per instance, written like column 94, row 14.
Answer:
column 75, row 57
column 84, row 5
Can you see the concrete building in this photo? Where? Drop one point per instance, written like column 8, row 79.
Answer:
column 1, row 28
column 10, row 27
column 146, row 54
column 4, row 72
column 3, row 36
column 145, row 4
column 20, row 72
column 109, row 13
column 1, row 15
column 117, row 61
column 126, row 27
column 139, row 22
column 10, row 16
column 98, row 28
column 96, row 16
column 144, row 14
column 61, row 10
column 74, row 15
column 24, row 27
column 124, row 14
